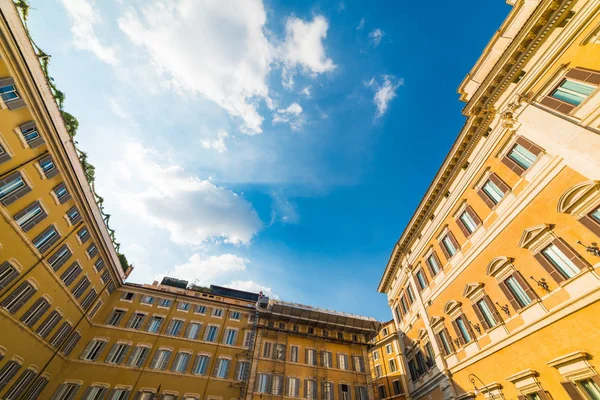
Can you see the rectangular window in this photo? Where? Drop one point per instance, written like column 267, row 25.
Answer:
column 342, row 361
column 181, row 362
column 95, row 310
column 434, row 265
column 11, row 186
column 375, row 355
column 421, row 279
column 200, row 309
column 99, row 265
column 327, row 359
column 18, row 297
column 136, row 321
column 362, row 393
column 247, row 339
column 80, row 288
column 115, row 318
column 183, row 306
column 572, row 92
column 388, row 348
column 493, row 191
column 49, row 323
column 164, row 303
column 397, row 386
column 294, row 354
column 193, row 330
column 222, row 368
column 201, row 364
column 8, row 92
column 60, row 334
column 560, row 261
column 462, row 327
column 230, row 336
column 403, row 305
column 66, row 391
column 147, row 300
column 211, row 333
column 71, row 273
column 93, row 350
column 36, row 389
column 128, row 296
column 61, row 193
column 267, row 347
column 263, row 384
column 83, row 234
column 88, row 299
column 449, row 246
column 277, row 385
column 138, row 356
column 47, row 165
column 59, row 258
column 358, row 363
column 378, row 371
column 235, row 315
column 20, row 385
column 596, row 214
column 327, row 390
column 92, row 250
column 99, row 392
column 311, row 356
column 161, row 359
column 392, row 364
column 443, row 335
column 73, row 215
column 155, row 324
column 105, row 277
column 242, row 370
column 381, row 391
column 522, row 156
column 35, row 312
column 468, row 222
column 70, row 343
column 175, row 327
column 486, row 313
column 30, row 216
column 311, row 389
column 293, row 387
column 517, row 291
column 8, row 273
column 217, row 312
column 46, row 239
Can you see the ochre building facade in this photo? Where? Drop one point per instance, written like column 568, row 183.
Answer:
column 387, row 366
column 71, row 328
column 494, row 283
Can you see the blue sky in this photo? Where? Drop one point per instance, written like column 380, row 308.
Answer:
column 274, row 145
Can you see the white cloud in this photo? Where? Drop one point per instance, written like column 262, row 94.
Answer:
column 215, row 49
column 202, row 270
column 85, row 17
column 283, row 210
column 384, row 93
column 375, row 36
column 306, row 91
column 303, row 48
column 217, row 144
column 361, row 24
column 290, row 115
column 251, row 286
column 192, row 210
column 221, row 50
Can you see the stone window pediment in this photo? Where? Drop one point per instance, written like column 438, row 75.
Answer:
column 579, row 199
column 537, row 237
column 500, row 267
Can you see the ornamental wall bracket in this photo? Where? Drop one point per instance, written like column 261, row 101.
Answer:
column 508, row 117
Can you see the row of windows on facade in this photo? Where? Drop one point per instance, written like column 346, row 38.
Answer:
column 289, row 386
column 312, row 331
column 389, row 349
column 278, row 351
column 181, row 305
column 396, row 389
column 120, row 354
column 69, row 391
column 140, row 321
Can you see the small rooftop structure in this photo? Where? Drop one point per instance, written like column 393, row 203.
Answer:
column 320, row 317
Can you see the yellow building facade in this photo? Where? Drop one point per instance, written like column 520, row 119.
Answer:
column 71, row 328
column 497, row 272
column 387, row 365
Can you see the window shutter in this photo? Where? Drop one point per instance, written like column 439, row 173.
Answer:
column 111, row 353
column 24, row 298
column 38, row 309
column 500, row 183
column 130, row 322
column 7, row 277
column 349, row 393
column 462, row 227
column 87, row 350
column 480, row 317
column 542, row 394
column 441, row 345
column 591, row 224
column 557, row 276
column 11, row 198
column 166, row 360
column 34, row 221
column 337, row 360
column 511, row 298
column 532, row 295
column 227, row 366
column 444, row 251
column 59, row 392
column 571, row 254
column 459, row 335
column 123, row 354
column 516, row 168
column 453, row 240
column 170, row 327
column 493, row 309
column 486, row 199
column 424, row 278
column 340, row 391
column 571, row 390
column 473, row 215
column 154, row 363
column 521, row 398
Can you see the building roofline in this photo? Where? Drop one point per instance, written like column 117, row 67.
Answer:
column 39, row 97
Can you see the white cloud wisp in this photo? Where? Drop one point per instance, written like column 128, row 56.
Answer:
column 384, row 93
column 291, row 115
column 192, row 210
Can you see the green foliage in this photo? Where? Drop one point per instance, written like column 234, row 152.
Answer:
column 71, row 124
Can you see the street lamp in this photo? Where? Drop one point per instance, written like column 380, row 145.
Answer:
column 472, row 378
